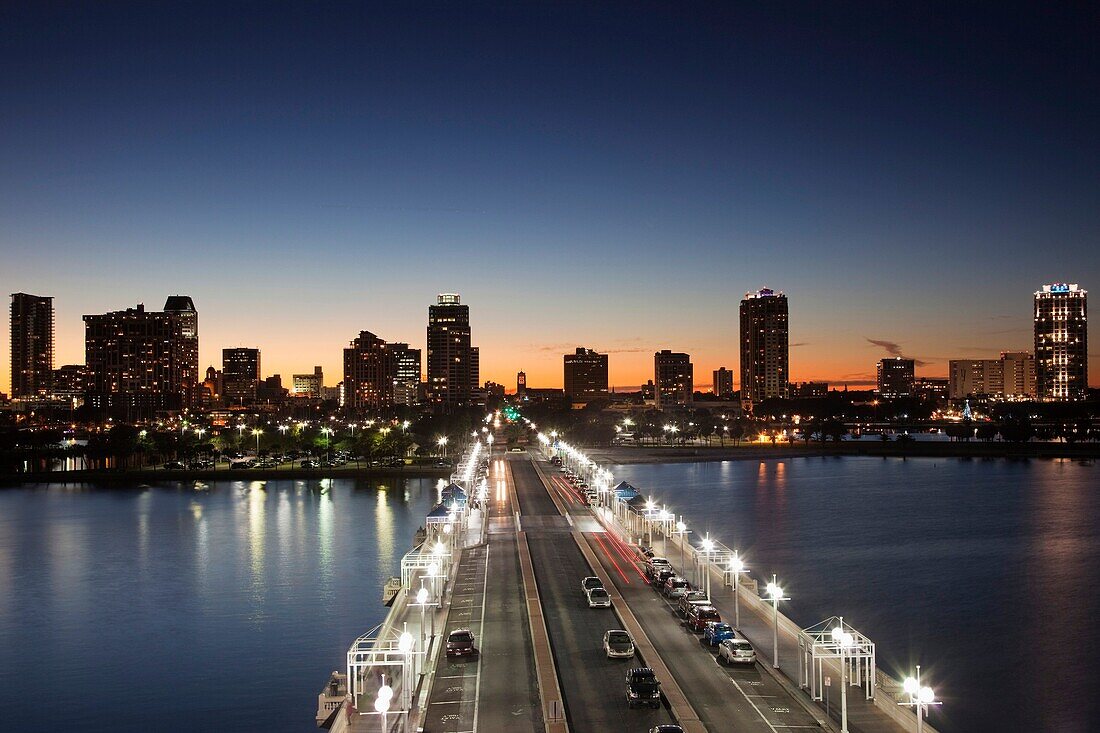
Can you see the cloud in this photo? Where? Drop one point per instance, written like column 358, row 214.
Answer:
column 800, row 343
column 893, row 348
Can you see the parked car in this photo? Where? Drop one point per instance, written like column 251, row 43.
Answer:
column 598, row 598
column 689, row 599
column 517, row 449
column 642, row 688
column 699, row 616
column 666, row 728
column 617, row 644
column 173, row 466
column 590, row 582
column 659, row 579
column 307, row 464
column 675, row 587
column 715, row 632
column 460, row 643
column 736, row 651
column 654, row 565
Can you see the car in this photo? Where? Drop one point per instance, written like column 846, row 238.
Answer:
column 666, row 728
column 598, row 598
column 307, row 464
column 655, row 564
column 675, row 587
column 460, row 643
column 516, row 450
column 715, row 632
column 642, row 688
column 173, row 466
column 590, row 582
column 736, row 651
column 617, row 644
column 659, row 579
column 689, row 599
column 699, row 616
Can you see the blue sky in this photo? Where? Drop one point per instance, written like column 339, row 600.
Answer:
column 614, row 176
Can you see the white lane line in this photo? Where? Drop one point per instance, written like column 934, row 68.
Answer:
column 569, row 519
column 754, row 707
column 481, row 634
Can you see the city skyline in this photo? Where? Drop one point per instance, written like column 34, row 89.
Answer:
column 630, row 363
column 356, row 161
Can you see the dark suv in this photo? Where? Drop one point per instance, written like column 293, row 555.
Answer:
column 642, row 688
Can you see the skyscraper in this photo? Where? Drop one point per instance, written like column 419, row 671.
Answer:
column 184, row 309
column 765, row 368
column 240, row 375
column 1018, row 368
column 1061, row 342
column 31, row 345
column 453, row 365
column 370, row 369
column 895, row 378
column 406, row 381
column 134, row 362
column 723, row 382
column 673, row 379
column 585, row 375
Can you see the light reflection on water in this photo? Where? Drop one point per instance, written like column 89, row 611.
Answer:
column 183, row 610
column 984, row 572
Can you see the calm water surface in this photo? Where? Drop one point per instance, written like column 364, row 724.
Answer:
column 984, row 572
column 174, row 610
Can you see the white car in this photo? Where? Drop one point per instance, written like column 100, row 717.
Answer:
column 598, row 598
column 736, row 651
column 617, row 644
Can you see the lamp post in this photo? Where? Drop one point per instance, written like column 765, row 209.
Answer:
column 405, row 645
column 776, row 594
column 708, row 546
column 920, row 697
column 422, row 601
column 843, row 640
column 649, row 506
column 382, row 702
column 257, row 432
column 681, row 530
column 327, row 432
column 442, row 443
column 736, row 567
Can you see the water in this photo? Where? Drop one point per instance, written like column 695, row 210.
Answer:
column 984, row 572
column 174, row 610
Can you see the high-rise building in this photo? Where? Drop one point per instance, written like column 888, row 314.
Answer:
column 723, row 383
column 406, row 382
column 673, row 379
column 895, row 378
column 134, row 361
column 932, row 388
column 31, row 345
column 68, row 382
column 369, row 372
column 240, row 375
column 453, row 364
column 308, row 385
column 765, row 368
column 1018, row 370
column 975, row 378
column 184, row 309
column 1061, row 342
column 585, row 375
column 521, row 384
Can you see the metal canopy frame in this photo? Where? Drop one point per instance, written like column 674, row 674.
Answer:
column 415, row 563
column 377, row 651
column 816, row 644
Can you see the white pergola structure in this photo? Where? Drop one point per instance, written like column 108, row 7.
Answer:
column 444, row 525
column 374, row 654
column 818, row 643
column 417, row 562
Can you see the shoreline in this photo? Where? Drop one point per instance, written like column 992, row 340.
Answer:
column 622, row 455
column 249, row 474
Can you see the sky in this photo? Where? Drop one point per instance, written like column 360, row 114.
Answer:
column 608, row 175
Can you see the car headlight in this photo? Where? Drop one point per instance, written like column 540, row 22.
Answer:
column 633, row 694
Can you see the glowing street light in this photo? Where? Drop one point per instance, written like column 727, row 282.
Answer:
column 775, row 594
column 920, row 697
column 257, row 432
column 382, row 702
column 708, row 547
column 681, row 530
column 442, row 443
column 736, row 567
column 844, row 641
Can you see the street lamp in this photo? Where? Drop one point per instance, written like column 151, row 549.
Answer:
column 919, row 698
column 776, row 594
column 257, row 432
column 844, row 641
column 442, row 443
column 736, row 567
column 382, row 702
column 327, row 432
column 649, row 506
column 405, row 645
column 681, row 530
column 708, row 547
column 422, row 601
column 353, row 426
column 489, row 440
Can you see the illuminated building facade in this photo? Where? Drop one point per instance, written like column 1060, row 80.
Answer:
column 723, row 383
column 406, row 383
column 453, row 364
column 673, row 379
column 895, row 378
column 1061, row 342
column 765, row 337
column 240, row 376
column 585, row 375
column 369, row 372
column 32, row 345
